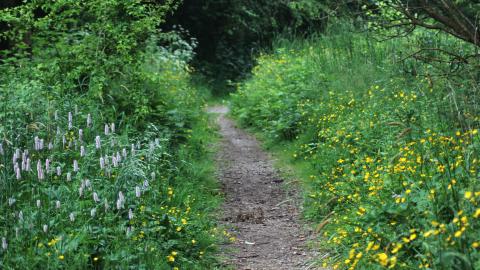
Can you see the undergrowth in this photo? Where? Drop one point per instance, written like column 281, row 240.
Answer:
column 393, row 155
column 104, row 161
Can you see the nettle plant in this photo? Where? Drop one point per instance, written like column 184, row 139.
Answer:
column 79, row 195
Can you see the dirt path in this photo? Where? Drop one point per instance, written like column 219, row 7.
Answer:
column 259, row 212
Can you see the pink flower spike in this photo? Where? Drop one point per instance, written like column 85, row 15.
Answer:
column 75, row 166
column 89, row 120
column 98, row 143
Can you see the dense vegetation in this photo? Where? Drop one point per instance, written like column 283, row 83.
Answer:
column 239, row 30
column 103, row 137
column 388, row 149
column 102, row 141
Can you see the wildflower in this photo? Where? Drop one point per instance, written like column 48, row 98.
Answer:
column 17, row 173
column 45, row 228
column 477, row 213
column 61, row 257
column 120, row 200
column 80, row 190
column 95, row 197
column 130, row 214
column 38, row 203
column 59, row 170
column 36, row 145
column 28, row 165
column 50, row 146
column 80, row 134
column 133, row 149
column 137, row 191
column 17, row 154
column 382, row 259
column 47, row 165
column 89, row 120
column 4, row 243
column 93, row 212
column 2, row 152
column 57, row 204
column 106, row 129
column 70, row 120
column 119, row 157
column 72, row 217
column 75, row 165
column 102, row 163
column 468, row 195
column 97, row 142
column 20, row 216
column 153, row 176
column 145, row 184
column 114, row 161
column 55, row 115
column 69, row 176
column 82, row 151
column 112, row 127
column 64, row 141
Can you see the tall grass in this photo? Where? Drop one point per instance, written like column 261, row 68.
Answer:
column 393, row 161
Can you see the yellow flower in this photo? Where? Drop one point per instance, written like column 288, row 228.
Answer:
column 477, row 213
column 170, row 258
column 468, row 195
column 396, row 248
column 458, row 233
column 61, row 257
column 382, row 259
column 194, row 241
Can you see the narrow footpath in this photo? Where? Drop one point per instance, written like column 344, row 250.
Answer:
column 258, row 210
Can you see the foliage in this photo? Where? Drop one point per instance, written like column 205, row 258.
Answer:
column 103, row 162
column 458, row 18
column 238, row 30
column 90, row 47
column 392, row 181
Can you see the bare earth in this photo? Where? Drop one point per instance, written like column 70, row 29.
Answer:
column 258, row 210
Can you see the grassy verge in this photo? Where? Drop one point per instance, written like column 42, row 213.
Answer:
column 388, row 165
